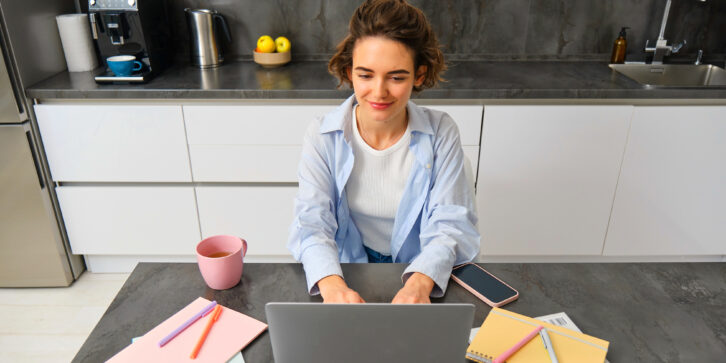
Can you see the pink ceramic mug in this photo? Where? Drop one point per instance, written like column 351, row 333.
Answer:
column 220, row 260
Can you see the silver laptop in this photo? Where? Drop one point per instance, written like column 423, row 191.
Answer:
column 357, row 333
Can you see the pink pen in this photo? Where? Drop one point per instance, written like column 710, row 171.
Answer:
column 509, row 352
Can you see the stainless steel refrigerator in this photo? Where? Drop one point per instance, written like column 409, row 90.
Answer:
column 34, row 250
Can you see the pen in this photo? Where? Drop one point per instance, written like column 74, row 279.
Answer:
column 186, row 324
column 509, row 352
column 212, row 320
column 548, row 345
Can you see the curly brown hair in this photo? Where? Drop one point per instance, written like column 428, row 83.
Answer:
column 396, row 20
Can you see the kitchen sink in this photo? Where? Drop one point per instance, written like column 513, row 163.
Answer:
column 674, row 75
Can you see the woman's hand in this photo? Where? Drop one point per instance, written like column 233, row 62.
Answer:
column 416, row 290
column 334, row 290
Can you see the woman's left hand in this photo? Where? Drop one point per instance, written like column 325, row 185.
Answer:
column 416, row 290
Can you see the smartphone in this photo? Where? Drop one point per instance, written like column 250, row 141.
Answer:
column 484, row 285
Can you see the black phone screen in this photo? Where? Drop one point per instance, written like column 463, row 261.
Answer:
column 484, row 283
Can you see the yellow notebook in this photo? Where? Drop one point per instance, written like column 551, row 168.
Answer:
column 502, row 329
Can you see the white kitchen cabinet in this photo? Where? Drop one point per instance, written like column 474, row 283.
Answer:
column 130, row 220
column 286, row 125
column 547, row 177
column 671, row 197
column 114, row 143
column 255, row 143
column 249, row 125
column 147, row 182
column 241, row 143
column 260, row 214
column 245, row 163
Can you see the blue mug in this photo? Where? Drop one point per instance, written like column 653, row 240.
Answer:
column 123, row 65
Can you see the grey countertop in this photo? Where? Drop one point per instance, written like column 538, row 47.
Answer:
column 649, row 312
column 477, row 80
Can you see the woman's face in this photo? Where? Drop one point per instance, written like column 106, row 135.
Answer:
column 383, row 78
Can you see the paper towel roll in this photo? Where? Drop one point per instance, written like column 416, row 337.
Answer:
column 75, row 33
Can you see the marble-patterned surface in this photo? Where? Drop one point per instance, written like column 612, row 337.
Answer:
column 649, row 312
column 476, row 80
column 475, row 29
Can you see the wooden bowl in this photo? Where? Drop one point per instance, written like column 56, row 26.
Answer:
column 271, row 60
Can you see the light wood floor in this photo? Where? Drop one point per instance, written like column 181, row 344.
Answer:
column 51, row 324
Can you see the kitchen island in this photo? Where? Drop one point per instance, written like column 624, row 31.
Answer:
column 649, row 312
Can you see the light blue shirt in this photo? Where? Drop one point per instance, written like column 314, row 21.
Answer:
column 435, row 225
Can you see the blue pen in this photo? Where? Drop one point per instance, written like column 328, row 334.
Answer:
column 548, row 345
column 189, row 322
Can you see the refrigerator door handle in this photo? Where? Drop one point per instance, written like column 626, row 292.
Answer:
column 35, row 160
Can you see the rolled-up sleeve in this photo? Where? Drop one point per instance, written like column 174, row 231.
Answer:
column 312, row 233
column 448, row 231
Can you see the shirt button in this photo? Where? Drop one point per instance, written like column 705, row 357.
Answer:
column 428, row 166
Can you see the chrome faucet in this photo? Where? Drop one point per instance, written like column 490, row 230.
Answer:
column 662, row 48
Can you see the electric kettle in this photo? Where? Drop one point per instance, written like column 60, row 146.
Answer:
column 204, row 27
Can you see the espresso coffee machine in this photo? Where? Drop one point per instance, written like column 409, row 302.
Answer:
column 131, row 27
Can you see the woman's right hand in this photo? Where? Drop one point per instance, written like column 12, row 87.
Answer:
column 335, row 291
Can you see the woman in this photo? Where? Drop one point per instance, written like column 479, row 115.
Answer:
column 381, row 179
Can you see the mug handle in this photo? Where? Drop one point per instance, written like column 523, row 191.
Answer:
column 244, row 247
column 139, row 65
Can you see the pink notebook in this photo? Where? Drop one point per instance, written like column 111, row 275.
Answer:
column 232, row 332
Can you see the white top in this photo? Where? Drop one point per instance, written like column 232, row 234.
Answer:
column 375, row 187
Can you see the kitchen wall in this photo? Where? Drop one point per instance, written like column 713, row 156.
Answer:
column 477, row 29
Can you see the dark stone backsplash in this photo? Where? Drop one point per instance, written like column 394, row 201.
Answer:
column 477, row 29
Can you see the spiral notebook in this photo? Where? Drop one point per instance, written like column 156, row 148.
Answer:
column 502, row 329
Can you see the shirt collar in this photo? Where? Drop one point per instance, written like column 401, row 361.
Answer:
column 342, row 116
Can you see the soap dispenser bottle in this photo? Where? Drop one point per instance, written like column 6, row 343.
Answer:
column 619, row 48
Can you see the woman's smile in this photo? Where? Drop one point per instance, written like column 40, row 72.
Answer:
column 380, row 105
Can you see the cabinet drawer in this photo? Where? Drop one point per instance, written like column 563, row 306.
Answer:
column 260, row 215
column 130, row 220
column 245, row 163
column 468, row 120
column 114, row 143
column 250, row 125
column 263, row 125
column 247, row 143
